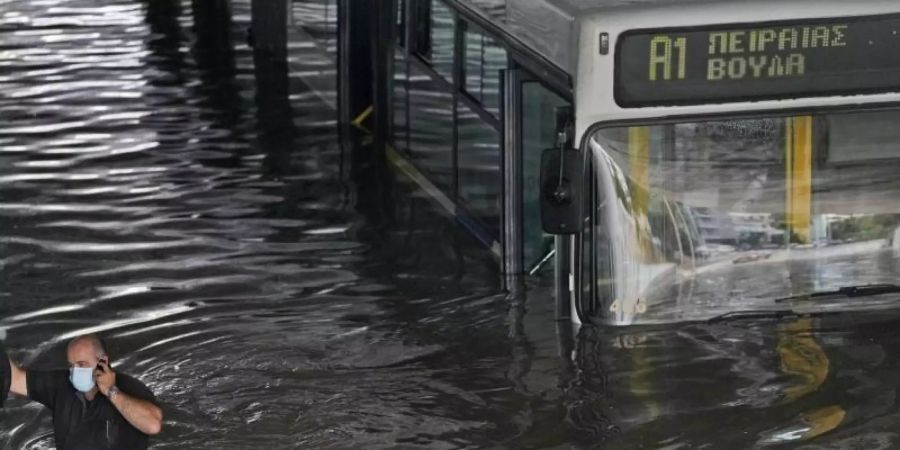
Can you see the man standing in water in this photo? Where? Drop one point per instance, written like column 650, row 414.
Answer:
column 93, row 407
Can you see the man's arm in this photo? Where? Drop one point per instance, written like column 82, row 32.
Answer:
column 19, row 384
column 141, row 414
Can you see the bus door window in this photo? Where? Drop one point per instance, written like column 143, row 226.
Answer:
column 539, row 106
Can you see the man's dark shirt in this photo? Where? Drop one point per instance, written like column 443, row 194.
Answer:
column 79, row 424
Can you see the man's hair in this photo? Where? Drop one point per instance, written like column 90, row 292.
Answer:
column 95, row 341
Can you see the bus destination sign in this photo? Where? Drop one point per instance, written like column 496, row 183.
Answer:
column 831, row 57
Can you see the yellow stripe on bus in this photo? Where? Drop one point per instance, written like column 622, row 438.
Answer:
column 639, row 174
column 798, row 160
column 639, row 152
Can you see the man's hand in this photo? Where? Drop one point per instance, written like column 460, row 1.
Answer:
column 104, row 377
column 19, row 385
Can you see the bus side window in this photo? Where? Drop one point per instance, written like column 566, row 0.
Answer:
column 435, row 36
column 484, row 60
column 400, row 24
column 422, row 28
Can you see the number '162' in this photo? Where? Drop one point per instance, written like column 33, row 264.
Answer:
column 662, row 53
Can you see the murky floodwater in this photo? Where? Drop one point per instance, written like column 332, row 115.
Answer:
column 278, row 287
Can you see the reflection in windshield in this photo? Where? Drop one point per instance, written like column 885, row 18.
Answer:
column 693, row 220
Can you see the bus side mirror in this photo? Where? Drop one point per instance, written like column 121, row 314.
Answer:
column 5, row 375
column 561, row 191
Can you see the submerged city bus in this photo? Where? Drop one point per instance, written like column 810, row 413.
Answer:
column 670, row 161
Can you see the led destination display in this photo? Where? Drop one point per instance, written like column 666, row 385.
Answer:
column 759, row 62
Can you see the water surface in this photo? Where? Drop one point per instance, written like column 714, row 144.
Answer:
column 279, row 287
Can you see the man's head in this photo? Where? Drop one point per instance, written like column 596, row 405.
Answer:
column 86, row 351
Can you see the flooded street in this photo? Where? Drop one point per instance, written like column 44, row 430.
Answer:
column 277, row 287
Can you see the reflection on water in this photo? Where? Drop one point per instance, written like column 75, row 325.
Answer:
column 828, row 385
column 277, row 288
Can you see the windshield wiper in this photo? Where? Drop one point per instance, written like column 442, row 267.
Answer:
column 778, row 314
column 847, row 291
column 760, row 314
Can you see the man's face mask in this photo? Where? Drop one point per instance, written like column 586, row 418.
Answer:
column 82, row 378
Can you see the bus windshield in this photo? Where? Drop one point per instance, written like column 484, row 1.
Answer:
column 691, row 220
